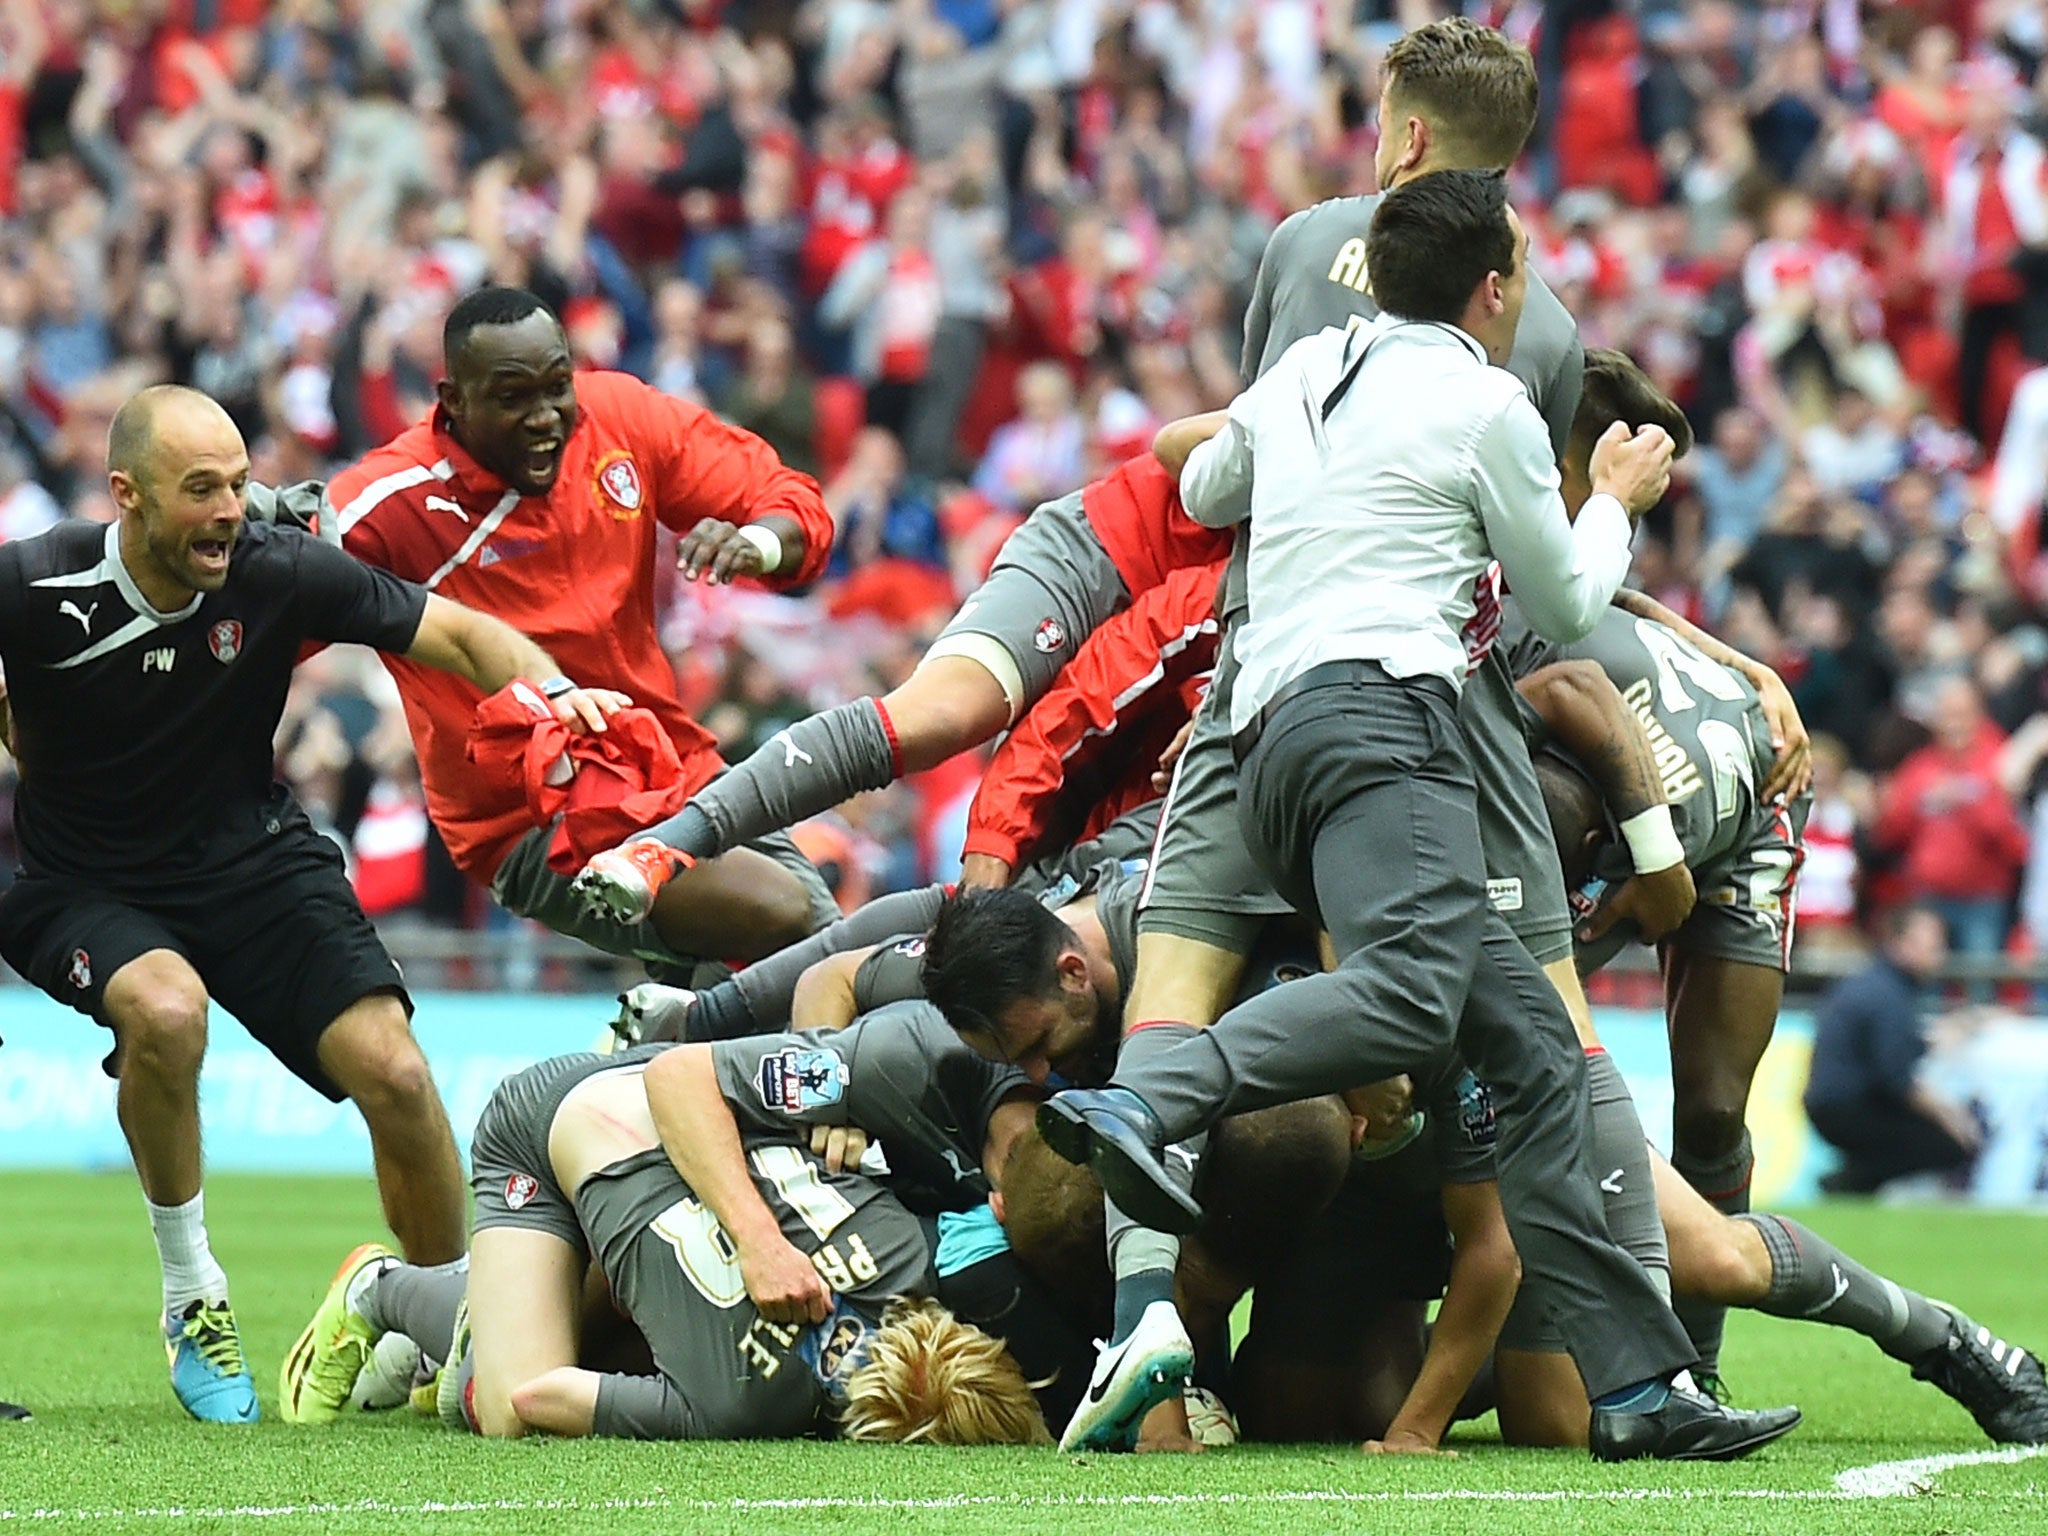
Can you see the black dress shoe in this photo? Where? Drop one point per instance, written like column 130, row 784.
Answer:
column 1115, row 1133
column 1688, row 1427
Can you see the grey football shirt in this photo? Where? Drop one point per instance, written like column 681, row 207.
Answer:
column 900, row 1073
column 1703, row 721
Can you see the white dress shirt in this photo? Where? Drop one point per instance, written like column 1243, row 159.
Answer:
column 1374, row 517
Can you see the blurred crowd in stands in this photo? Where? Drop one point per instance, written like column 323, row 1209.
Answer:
column 955, row 257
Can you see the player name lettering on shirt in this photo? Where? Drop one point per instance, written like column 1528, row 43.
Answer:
column 1349, row 267
column 162, row 659
column 1680, row 775
column 766, row 1356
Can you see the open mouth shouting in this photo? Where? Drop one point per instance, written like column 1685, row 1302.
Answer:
column 543, row 460
column 211, row 555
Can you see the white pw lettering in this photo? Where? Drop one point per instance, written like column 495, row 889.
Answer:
column 160, row 660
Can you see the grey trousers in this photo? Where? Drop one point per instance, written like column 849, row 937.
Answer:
column 1359, row 802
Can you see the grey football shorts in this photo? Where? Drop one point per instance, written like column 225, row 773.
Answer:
column 1202, row 882
column 1524, row 881
column 1051, row 587
column 1747, row 897
column 1205, row 885
column 509, row 1169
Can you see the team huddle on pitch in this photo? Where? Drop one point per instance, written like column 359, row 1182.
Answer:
column 1333, row 755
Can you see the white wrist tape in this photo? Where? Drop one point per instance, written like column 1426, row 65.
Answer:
column 769, row 542
column 1652, row 841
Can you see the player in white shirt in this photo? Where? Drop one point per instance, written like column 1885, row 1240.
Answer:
column 1368, row 549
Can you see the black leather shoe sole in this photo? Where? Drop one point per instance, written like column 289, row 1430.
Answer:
column 1061, row 1127
column 1682, row 1431
column 1131, row 1172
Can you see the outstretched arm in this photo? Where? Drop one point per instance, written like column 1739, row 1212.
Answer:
column 702, row 1139
column 491, row 653
column 1485, row 1272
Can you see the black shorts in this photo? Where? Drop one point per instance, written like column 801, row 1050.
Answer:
column 280, row 942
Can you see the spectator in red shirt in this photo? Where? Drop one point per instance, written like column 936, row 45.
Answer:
column 1993, row 207
column 1960, row 843
column 533, row 492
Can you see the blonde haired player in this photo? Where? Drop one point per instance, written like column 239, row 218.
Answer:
column 930, row 1377
column 787, row 1325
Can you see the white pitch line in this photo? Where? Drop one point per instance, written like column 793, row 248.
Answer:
column 1882, row 1480
column 1894, row 1479
column 1889, row 1485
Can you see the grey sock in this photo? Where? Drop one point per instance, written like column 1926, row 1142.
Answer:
column 1134, row 1250
column 798, row 772
column 1621, row 1160
column 1813, row 1279
column 419, row 1303
column 1723, row 1182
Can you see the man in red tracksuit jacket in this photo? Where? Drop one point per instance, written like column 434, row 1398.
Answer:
column 532, row 492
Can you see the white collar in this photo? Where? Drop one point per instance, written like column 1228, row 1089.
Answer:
column 129, row 591
column 1437, row 331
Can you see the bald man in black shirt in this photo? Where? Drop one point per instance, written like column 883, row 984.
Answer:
column 147, row 665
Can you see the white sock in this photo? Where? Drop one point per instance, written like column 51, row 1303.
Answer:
column 191, row 1273
column 367, row 1276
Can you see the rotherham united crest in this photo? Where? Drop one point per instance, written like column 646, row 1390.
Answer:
column 1049, row 637
column 618, row 481
column 80, row 973
column 225, row 640
column 519, row 1189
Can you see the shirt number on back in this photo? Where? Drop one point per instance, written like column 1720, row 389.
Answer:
column 704, row 1252
column 1674, row 656
column 795, row 1177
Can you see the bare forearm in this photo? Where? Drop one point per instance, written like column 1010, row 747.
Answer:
column 702, row 1140
column 1588, row 716
column 487, row 651
column 1475, row 1304
column 824, row 997
column 1177, row 439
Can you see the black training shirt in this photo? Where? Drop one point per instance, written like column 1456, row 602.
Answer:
column 144, row 738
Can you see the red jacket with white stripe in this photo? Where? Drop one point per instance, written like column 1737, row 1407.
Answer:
column 573, row 569
column 1085, row 753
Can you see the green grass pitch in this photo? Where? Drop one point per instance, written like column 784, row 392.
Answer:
column 110, row 1450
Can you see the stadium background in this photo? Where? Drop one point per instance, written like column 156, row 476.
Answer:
column 955, row 257
column 277, row 202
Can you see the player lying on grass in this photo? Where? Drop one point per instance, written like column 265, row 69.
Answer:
column 904, row 1074
column 1035, row 981
column 1071, row 566
column 772, row 1290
